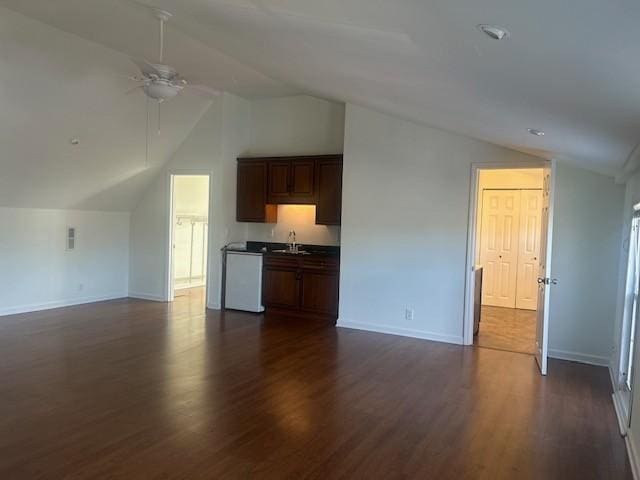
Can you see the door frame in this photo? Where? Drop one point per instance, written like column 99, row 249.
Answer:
column 467, row 328
column 169, row 218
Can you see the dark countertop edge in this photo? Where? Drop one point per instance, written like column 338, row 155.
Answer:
column 259, row 247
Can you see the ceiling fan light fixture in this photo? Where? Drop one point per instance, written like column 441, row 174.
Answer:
column 493, row 31
column 161, row 90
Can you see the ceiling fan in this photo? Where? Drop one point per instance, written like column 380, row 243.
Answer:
column 162, row 82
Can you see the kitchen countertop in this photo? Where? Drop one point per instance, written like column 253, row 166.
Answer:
column 269, row 247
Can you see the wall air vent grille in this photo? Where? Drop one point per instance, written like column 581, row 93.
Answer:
column 71, row 238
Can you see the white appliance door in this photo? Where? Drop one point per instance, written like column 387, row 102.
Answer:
column 244, row 282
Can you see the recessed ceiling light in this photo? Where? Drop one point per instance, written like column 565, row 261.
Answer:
column 74, row 141
column 495, row 32
column 537, row 133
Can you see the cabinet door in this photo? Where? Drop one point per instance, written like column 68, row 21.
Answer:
column 280, row 287
column 320, row 292
column 302, row 181
column 251, row 196
column 279, row 181
column 329, row 192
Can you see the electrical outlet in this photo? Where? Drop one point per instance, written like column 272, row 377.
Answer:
column 80, row 287
column 408, row 314
column 273, row 232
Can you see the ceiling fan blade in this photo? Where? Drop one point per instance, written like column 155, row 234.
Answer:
column 202, row 90
column 130, row 91
column 146, row 67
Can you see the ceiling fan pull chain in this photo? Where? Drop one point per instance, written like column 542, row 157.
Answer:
column 146, row 155
column 161, row 40
column 159, row 103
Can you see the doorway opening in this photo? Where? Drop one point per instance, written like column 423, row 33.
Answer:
column 189, row 237
column 509, row 258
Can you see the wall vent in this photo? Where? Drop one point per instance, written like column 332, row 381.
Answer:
column 71, row 238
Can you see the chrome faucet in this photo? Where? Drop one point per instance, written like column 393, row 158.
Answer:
column 291, row 241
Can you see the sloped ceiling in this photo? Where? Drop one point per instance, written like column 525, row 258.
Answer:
column 56, row 86
column 569, row 68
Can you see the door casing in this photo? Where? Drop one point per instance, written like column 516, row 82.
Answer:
column 467, row 330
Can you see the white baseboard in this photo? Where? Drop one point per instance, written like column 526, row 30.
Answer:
column 214, row 306
column 36, row 307
column 404, row 332
column 620, row 412
column 187, row 287
column 579, row 357
column 633, row 455
column 147, row 296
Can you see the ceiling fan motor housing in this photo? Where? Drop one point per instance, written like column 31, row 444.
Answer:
column 161, row 89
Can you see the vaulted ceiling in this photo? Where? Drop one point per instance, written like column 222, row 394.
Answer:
column 569, row 68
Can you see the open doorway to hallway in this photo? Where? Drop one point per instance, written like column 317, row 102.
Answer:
column 189, row 236
column 509, row 217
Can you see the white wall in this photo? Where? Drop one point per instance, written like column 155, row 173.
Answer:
column 37, row 270
column 587, row 228
column 301, row 219
column 404, row 236
column 299, row 125
column 213, row 145
column 404, row 224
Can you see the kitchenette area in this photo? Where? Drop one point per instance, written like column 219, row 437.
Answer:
column 296, row 196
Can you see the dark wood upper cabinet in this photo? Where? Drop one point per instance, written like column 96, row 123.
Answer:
column 279, row 180
column 264, row 183
column 302, row 179
column 251, row 193
column 291, row 180
column 329, row 191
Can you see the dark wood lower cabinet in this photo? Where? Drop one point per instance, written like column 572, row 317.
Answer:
column 301, row 286
column 319, row 292
column 281, row 287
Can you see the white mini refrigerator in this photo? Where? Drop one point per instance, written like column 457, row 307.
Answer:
column 243, row 289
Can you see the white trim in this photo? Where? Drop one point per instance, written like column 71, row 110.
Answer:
column 191, row 285
column 36, row 307
column 579, row 357
column 632, row 453
column 618, row 406
column 543, row 351
column 471, row 233
column 214, row 306
column 404, row 332
column 147, row 296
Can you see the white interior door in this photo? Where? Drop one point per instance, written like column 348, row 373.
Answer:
column 499, row 246
column 544, row 270
column 529, row 251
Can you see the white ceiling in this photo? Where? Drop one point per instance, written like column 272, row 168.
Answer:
column 570, row 68
column 55, row 87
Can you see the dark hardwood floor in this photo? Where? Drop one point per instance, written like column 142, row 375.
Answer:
column 140, row 390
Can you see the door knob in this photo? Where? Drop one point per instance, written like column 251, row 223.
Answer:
column 554, row 281
column 541, row 280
